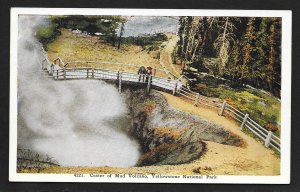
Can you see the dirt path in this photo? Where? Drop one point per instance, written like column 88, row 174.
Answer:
column 165, row 55
column 253, row 159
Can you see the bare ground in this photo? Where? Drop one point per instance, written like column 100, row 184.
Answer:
column 165, row 56
column 166, row 60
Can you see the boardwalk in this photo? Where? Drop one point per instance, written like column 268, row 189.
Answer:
column 59, row 73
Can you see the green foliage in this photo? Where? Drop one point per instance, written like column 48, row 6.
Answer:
column 149, row 43
column 262, row 108
column 47, row 34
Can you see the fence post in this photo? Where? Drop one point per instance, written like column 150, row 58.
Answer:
column 149, row 83
column 223, row 108
column 43, row 64
column 51, row 69
column 174, row 89
column 244, row 121
column 57, row 74
column 65, row 74
column 93, row 73
column 197, row 99
column 154, row 71
column 120, row 81
column 87, row 73
column 268, row 139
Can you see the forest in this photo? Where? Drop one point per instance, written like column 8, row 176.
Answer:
column 242, row 50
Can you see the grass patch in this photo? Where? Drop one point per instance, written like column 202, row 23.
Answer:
column 263, row 108
column 149, row 43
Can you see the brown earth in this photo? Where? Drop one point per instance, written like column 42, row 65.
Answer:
column 165, row 56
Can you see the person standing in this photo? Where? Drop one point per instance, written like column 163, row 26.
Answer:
column 149, row 72
column 142, row 72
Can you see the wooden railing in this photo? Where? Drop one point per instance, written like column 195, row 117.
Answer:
column 59, row 62
column 175, row 87
column 115, row 66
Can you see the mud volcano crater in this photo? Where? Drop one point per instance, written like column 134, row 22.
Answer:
column 168, row 136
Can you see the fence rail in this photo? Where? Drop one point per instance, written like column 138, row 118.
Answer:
column 113, row 66
column 175, row 86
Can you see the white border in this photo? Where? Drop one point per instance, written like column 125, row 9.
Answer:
column 286, row 15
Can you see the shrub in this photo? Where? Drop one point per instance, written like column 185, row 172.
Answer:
column 150, row 42
column 271, row 127
column 47, row 34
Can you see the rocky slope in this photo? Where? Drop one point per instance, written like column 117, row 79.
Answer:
column 167, row 135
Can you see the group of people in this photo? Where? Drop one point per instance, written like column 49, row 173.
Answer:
column 144, row 73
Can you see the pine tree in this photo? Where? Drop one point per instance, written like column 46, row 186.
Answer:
column 248, row 49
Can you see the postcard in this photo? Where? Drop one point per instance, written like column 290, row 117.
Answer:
column 150, row 96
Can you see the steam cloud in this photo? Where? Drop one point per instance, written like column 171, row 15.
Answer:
column 78, row 122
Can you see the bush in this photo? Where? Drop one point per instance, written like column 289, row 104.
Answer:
column 47, row 34
column 150, row 42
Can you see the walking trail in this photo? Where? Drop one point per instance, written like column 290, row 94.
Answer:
column 165, row 56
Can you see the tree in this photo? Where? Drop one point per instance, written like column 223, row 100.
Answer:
column 223, row 42
column 121, row 34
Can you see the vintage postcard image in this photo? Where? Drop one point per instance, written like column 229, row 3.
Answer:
column 152, row 96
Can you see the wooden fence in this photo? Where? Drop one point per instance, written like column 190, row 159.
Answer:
column 246, row 123
column 174, row 86
column 112, row 66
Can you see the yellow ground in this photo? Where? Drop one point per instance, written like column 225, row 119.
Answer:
column 165, row 56
column 74, row 47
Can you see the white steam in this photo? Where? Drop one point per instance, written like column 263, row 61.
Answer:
column 76, row 122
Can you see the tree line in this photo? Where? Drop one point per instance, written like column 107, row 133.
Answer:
column 243, row 50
